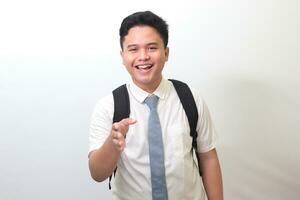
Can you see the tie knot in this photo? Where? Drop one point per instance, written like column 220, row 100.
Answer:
column 151, row 101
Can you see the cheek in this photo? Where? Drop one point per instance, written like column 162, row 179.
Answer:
column 128, row 60
column 128, row 63
column 161, row 59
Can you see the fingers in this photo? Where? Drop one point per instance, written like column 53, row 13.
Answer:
column 118, row 133
column 128, row 121
column 123, row 125
column 118, row 140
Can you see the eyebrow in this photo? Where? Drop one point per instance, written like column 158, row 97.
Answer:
column 148, row 44
column 152, row 43
column 131, row 45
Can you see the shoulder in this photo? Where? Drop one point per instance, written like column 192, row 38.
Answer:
column 197, row 96
column 195, row 92
column 105, row 101
column 104, row 105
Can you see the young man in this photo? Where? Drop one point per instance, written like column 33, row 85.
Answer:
column 144, row 50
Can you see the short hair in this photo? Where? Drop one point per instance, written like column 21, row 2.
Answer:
column 146, row 18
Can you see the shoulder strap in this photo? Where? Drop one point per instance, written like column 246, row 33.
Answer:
column 121, row 110
column 121, row 103
column 187, row 100
column 189, row 105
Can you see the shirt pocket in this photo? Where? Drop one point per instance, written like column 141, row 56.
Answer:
column 181, row 141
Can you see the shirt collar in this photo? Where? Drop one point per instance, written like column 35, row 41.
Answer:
column 140, row 95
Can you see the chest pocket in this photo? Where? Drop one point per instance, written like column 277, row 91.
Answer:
column 181, row 140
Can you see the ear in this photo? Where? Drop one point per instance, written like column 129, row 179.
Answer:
column 167, row 53
column 122, row 55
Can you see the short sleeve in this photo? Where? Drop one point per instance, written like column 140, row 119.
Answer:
column 207, row 136
column 101, row 122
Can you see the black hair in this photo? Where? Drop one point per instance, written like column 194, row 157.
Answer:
column 147, row 18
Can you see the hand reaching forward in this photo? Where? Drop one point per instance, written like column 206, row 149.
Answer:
column 118, row 133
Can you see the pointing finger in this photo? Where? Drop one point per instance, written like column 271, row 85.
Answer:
column 128, row 121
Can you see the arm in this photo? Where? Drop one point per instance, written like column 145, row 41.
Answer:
column 104, row 160
column 211, row 174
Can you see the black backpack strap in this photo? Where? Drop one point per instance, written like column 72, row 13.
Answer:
column 189, row 105
column 121, row 103
column 121, row 110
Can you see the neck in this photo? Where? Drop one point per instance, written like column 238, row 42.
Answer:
column 149, row 88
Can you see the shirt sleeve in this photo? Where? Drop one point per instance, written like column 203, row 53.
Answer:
column 207, row 136
column 101, row 122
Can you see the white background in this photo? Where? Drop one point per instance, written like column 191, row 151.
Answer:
column 57, row 58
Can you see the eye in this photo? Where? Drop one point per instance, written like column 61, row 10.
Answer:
column 152, row 48
column 132, row 50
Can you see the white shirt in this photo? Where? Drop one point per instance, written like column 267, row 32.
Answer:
column 132, row 180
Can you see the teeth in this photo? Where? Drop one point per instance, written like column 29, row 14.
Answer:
column 144, row 66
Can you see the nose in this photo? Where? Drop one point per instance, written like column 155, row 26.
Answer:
column 143, row 55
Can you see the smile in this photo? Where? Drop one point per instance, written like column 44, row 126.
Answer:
column 144, row 66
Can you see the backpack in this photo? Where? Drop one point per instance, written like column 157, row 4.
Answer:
column 122, row 110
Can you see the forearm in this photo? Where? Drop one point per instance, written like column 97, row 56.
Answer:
column 211, row 175
column 103, row 161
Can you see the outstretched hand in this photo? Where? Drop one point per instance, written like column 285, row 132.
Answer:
column 118, row 133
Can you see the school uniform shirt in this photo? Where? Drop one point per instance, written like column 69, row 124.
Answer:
column 133, row 179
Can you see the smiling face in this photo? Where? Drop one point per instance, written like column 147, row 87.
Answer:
column 144, row 56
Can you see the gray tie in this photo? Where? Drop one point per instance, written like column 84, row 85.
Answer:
column 156, row 152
